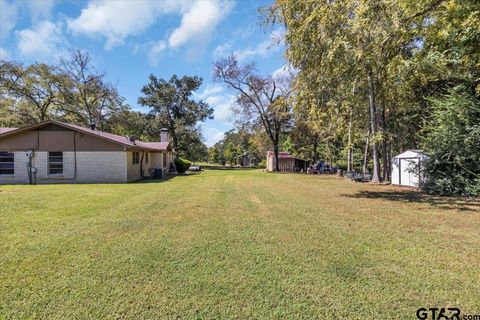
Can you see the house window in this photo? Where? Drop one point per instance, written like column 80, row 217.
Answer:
column 55, row 163
column 135, row 158
column 7, row 166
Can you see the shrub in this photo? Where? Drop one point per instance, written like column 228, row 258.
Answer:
column 263, row 163
column 453, row 144
column 341, row 164
column 182, row 165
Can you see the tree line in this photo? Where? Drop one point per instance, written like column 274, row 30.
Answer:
column 372, row 79
column 74, row 91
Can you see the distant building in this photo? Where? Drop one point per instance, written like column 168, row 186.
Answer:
column 58, row 152
column 249, row 159
column 286, row 162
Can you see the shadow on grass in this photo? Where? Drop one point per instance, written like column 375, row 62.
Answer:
column 151, row 180
column 406, row 196
column 228, row 168
column 168, row 178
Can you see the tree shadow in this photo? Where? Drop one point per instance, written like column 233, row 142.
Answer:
column 413, row 196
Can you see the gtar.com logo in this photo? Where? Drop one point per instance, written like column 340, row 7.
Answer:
column 438, row 313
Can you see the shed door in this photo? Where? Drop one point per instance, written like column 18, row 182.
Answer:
column 409, row 169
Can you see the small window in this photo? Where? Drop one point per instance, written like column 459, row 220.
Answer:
column 146, row 157
column 135, row 158
column 7, row 166
column 55, row 163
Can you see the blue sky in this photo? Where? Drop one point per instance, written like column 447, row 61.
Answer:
column 130, row 39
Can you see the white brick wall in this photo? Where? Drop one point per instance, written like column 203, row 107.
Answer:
column 92, row 167
column 157, row 159
column 104, row 166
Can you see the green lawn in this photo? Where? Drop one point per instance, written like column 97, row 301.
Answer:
column 235, row 244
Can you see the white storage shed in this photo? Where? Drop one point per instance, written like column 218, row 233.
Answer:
column 407, row 168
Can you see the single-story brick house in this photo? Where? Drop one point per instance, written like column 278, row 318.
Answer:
column 58, row 152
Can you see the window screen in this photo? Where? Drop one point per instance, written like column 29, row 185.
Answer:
column 6, row 163
column 55, row 162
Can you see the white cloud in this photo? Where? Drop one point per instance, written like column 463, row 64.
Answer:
column 199, row 21
column 4, row 54
column 212, row 135
column 8, row 18
column 40, row 9
column 283, row 72
column 156, row 49
column 222, row 105
column 220, row 101
column 222, row 50
column 44, row 41
column 263, row 49
column 116, row 20
column 208, row 91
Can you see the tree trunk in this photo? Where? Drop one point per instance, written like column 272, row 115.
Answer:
column 275, row 151
column 174, row 138
column 350, row 153
column 383, row 123
column 373, row 128
column 365, row 155
column 389, row 157
column 386, row 167
column 275, row 155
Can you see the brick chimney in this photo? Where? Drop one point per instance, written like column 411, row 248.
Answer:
column 164, row 135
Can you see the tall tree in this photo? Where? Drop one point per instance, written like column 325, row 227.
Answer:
column 173, row 107
column 34, row 91
column 88, row 97
column 262, row 99
column 338, row 46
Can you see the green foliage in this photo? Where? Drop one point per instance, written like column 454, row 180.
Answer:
column 232, row 153
column 453, row 144
column 73, row 92
column 182, row 165
column 237, row 144
column 171, row 104
column 213, row 155
column 367, row 71
column 190, row 144
column 262, row 164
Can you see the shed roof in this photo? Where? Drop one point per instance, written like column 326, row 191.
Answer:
column 3, row 130
column 283, row 155
column 115, row 138
column 412, row 153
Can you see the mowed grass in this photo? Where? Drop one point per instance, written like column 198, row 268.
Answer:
column 238, row 244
